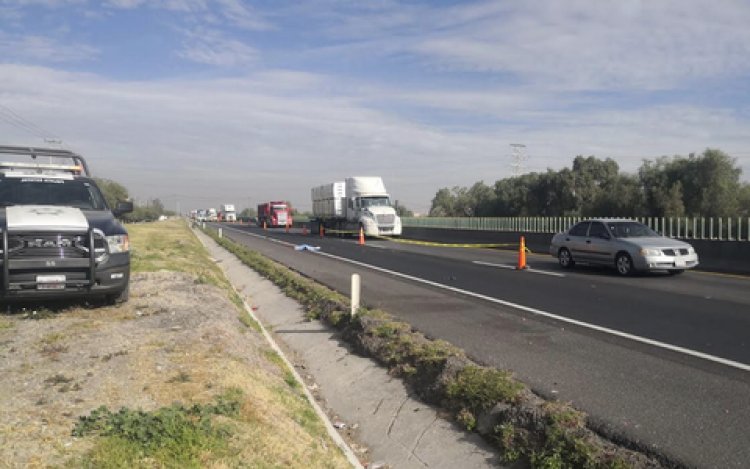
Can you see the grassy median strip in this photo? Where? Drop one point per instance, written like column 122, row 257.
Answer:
column 519, row 423
column 233, row 405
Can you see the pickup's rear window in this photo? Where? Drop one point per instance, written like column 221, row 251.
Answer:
column 41, row 190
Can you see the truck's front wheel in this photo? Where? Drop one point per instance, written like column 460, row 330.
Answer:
column 118, row 298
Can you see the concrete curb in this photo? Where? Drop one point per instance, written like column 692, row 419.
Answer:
column 332, row 432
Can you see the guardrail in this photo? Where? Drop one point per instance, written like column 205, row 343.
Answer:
column 719, row 229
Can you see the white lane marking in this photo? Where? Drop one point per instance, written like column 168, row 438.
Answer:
column 511, row 267
column 539, row 312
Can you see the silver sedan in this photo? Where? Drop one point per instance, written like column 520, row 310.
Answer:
column 627, row 245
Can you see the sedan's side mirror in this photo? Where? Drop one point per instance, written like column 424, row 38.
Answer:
column 122, row 208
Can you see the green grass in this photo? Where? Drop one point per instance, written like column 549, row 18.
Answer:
column 6, row 324
column 174, row 436
column 478, row 389
column 171, row 246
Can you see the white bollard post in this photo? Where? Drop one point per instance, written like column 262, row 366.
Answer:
column 220, row 233
column 203, row 225
column 356, row 287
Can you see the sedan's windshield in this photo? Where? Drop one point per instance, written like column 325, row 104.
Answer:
column 50, row 191
column 375, row 202
column 631, row 229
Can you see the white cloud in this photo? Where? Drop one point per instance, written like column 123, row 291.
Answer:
column 602, row 45
column 45, row 49
column 211, row 47
column 240, row 14
column 125, row 4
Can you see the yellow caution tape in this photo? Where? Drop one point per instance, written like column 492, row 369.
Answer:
column 431, row 243
column 450, row 245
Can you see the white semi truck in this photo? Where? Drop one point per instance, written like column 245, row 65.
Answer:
column 228, row 213
column 356, row 202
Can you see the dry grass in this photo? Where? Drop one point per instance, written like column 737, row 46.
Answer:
column 176, row 340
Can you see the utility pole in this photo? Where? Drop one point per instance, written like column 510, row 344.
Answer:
column 518, row 158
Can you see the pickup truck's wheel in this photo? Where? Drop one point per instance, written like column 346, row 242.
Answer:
column 624, row 264
column 565, row 259
column 118, row 298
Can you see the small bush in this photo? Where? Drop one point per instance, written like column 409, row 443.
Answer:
column 479, row 389
column 176, row 436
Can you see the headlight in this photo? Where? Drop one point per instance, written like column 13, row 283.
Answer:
column 650, row 252
column 118, row 243
column 691, row 250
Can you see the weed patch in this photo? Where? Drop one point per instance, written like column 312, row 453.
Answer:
column 478, row 389
column 174, row 436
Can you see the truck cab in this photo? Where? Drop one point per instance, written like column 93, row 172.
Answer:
column 60, row 239
column 369, row 205
column 228, row 213
column 275, row 214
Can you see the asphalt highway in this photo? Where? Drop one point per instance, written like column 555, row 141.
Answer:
column 661, row 360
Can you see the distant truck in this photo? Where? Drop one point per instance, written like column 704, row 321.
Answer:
column 228, row 213
column 275, row 214
column 211, row 214
column 356, row 202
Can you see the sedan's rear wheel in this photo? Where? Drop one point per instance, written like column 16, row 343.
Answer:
column 624, row 264
column 566, row 260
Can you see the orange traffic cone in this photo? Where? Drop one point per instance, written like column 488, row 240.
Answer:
column 522, row 255
column 361, row 236
column 286, row 228
column 264, row 225
column 322, row 231
column 304, row 230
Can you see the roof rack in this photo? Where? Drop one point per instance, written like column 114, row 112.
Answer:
column 79, row 164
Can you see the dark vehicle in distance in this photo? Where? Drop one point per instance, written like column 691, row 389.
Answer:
column 626, row 245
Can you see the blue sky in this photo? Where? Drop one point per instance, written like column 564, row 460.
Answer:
column 204, row 102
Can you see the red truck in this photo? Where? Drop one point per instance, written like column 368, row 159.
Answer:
column 274, row 214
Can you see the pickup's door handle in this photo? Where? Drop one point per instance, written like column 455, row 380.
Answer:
column 588, row 241
column 567, row 239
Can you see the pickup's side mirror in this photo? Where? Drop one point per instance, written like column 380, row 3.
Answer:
column 122, row 208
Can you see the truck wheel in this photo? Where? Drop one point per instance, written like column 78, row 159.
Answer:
column 118, row 298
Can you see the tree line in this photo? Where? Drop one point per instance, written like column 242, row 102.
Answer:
column 705, row 185
column 114, row 192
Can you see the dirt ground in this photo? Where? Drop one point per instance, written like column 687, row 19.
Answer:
column 176, row 340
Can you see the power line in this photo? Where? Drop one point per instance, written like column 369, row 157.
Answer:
column 13, row 118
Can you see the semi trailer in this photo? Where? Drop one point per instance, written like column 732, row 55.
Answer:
column 357, row 202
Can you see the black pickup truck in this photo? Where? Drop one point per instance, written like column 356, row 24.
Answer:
column 59, row 237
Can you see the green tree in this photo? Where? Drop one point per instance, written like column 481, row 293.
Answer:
column 743, row 200
column 622, row 197
column 248, row 212
column 401, row 210
column 442, row 204
column 590, row 176
column 113, row 191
